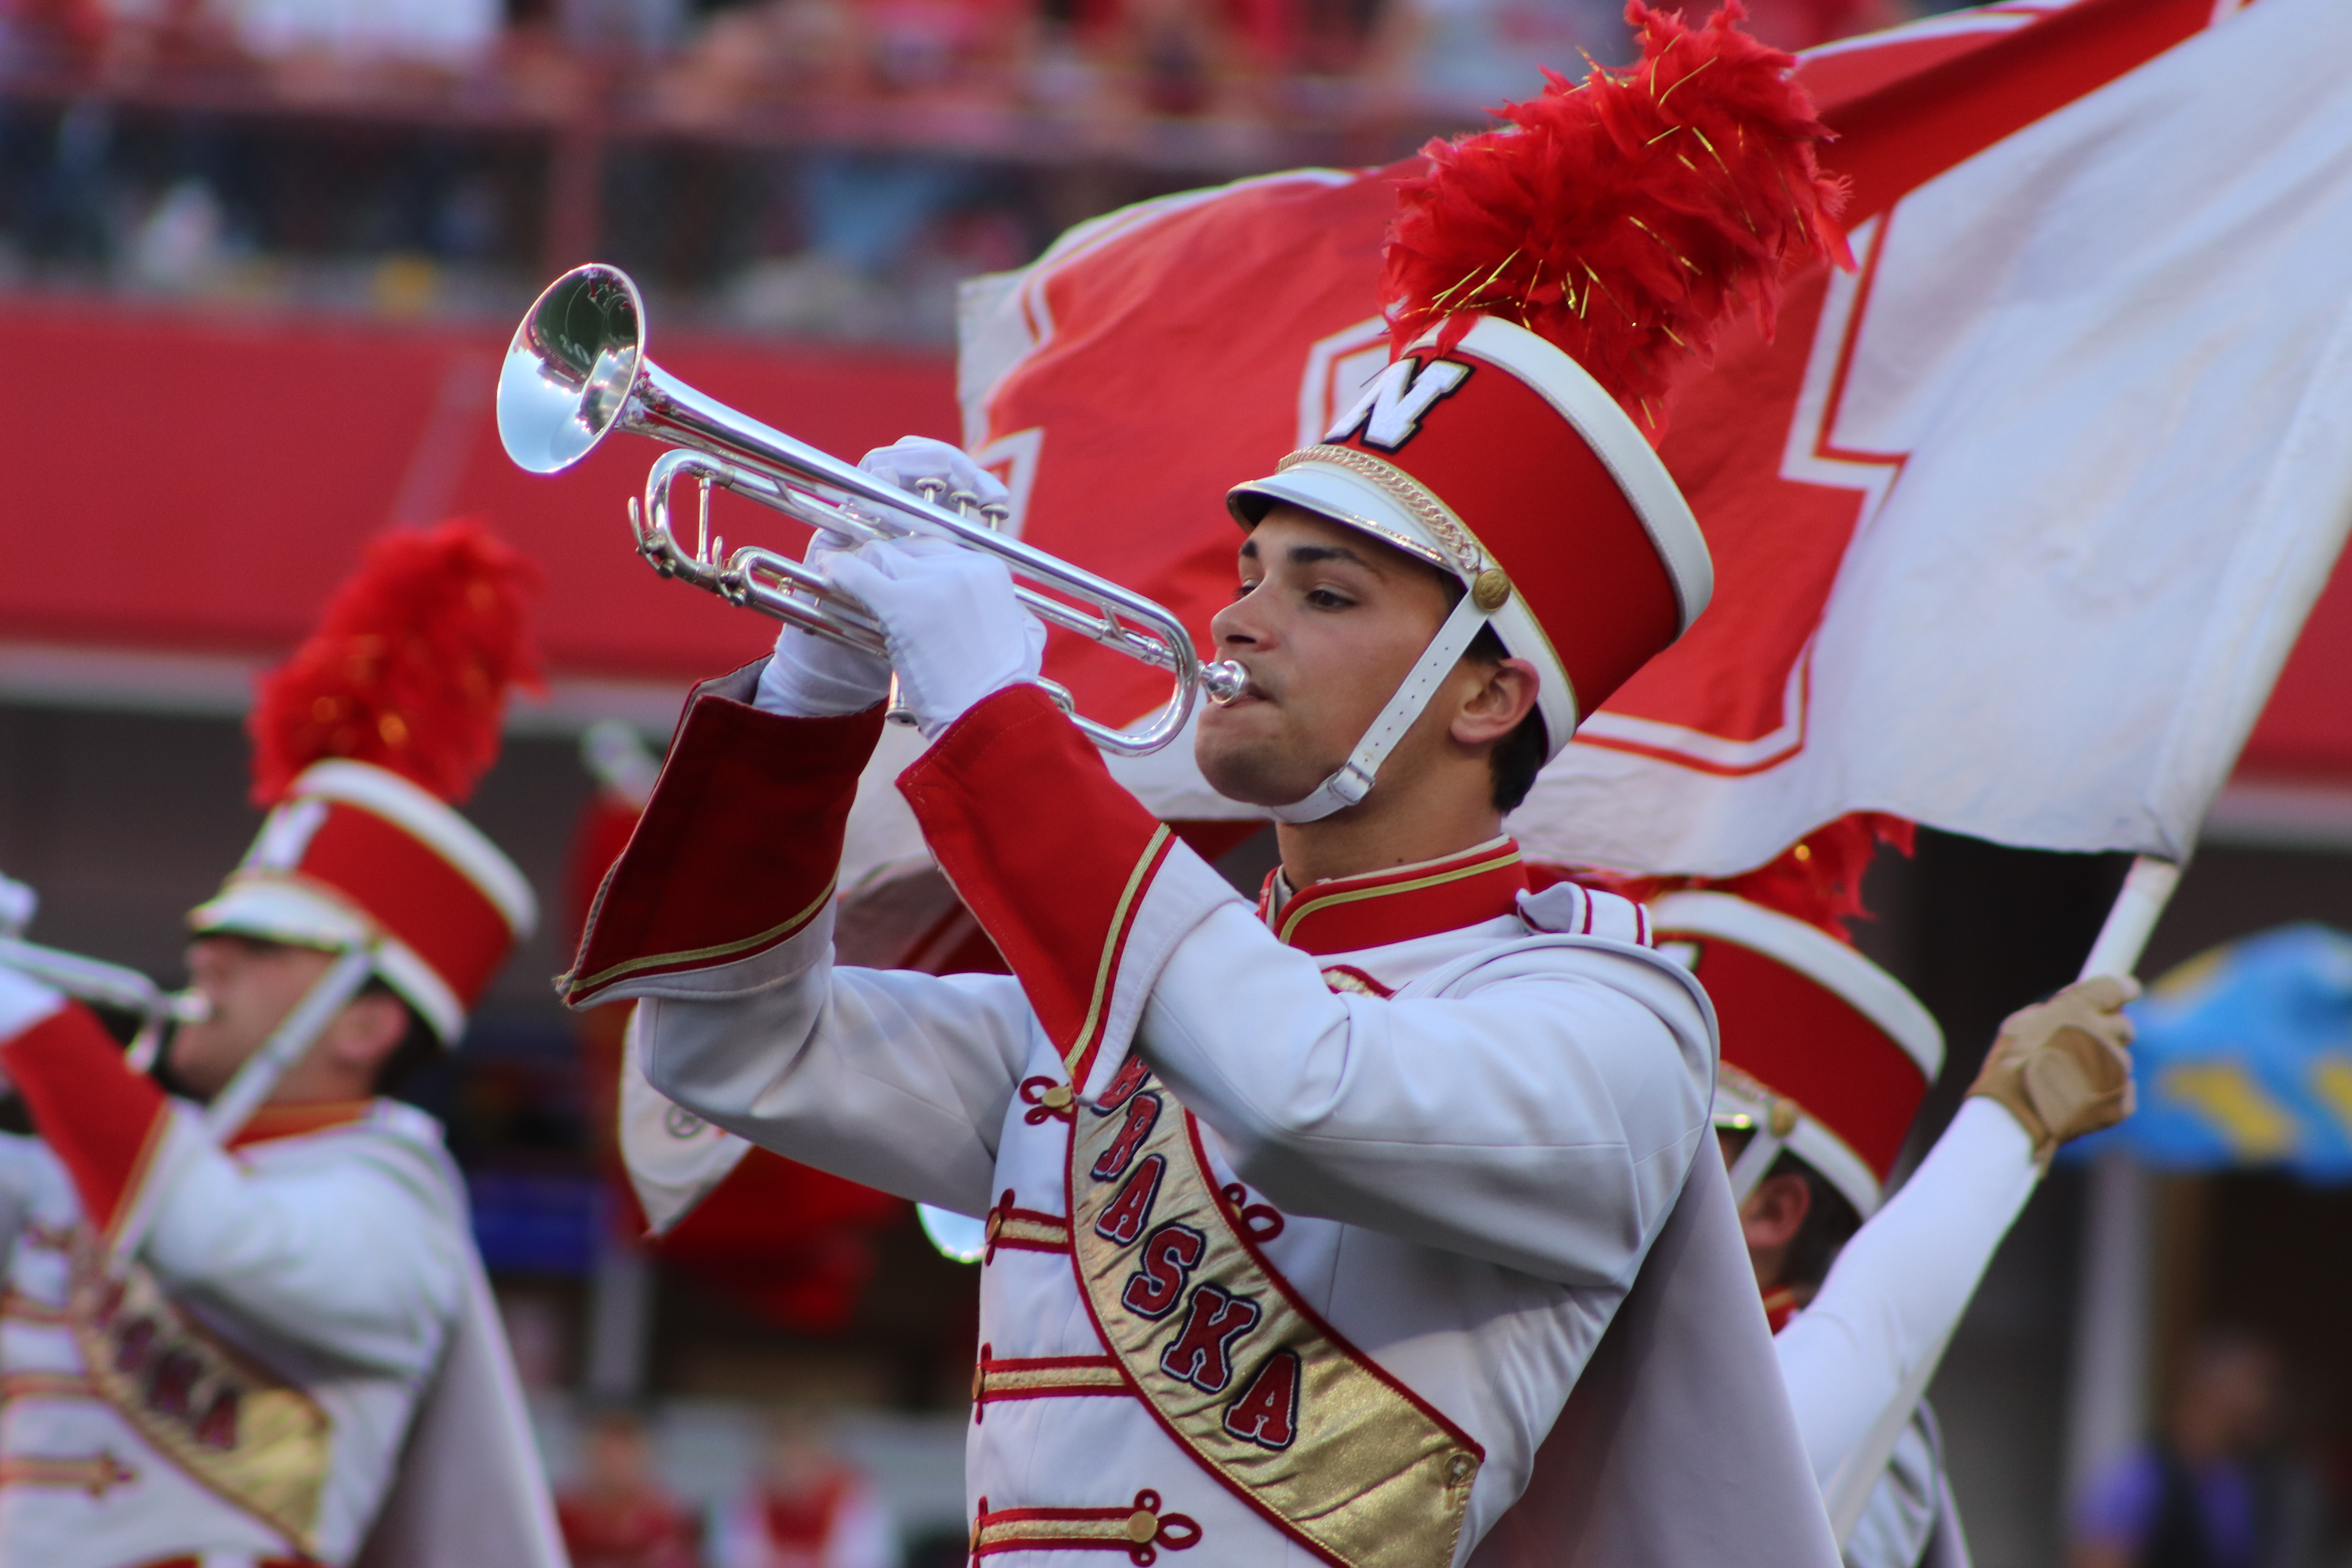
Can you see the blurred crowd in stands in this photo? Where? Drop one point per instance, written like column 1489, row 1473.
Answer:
column 812, row 166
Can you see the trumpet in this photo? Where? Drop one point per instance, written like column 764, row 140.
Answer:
column 108, row 985
column 577, row 370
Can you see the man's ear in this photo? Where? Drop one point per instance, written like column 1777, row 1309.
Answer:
column 1498, row 697
column 369, row 1029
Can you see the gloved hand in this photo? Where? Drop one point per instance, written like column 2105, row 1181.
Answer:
column 2063, row 1067
column 812, row 677
column 957, row 634
column 23, row 1002
column 914, row 458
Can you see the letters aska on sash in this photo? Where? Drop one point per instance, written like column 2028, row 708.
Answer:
column 1256, row 1386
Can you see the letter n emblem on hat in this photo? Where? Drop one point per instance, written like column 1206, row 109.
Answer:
column 1391, row 410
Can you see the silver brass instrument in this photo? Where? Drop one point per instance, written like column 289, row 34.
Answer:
column 577, row 370
column 110, row 985
column 107, row 985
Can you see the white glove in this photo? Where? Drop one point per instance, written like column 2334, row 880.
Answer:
column 914, row 458
column 23, row 1002
column 18, row 904
column 957, row 633
column 816, row 678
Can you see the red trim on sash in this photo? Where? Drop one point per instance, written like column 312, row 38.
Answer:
column 1348, row 914
column 736, row 852
column 1058, row 903
column 103, row 1120
column 1242, row 1233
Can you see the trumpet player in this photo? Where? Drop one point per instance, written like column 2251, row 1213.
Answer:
column 249, row 1328
column 1381, row 1223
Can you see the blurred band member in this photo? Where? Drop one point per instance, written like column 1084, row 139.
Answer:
column 1826, row 1059
column 249, row 1335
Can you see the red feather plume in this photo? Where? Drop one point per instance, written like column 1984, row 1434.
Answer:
column 1817, row 880
column 1628, row 217
column 409, row 667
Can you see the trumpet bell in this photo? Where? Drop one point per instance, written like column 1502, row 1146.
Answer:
column 570, row 368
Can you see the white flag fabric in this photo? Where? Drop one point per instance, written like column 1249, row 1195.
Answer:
column 2094, row 388
column 2013, row 527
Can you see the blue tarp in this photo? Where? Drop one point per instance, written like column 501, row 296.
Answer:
column 2245, row 1059
column 528, row 1224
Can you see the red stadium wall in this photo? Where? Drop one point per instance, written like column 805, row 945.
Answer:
column 199, row 483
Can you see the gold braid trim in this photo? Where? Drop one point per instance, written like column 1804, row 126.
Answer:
column 1469, row 557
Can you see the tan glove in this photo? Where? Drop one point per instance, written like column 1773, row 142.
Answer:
column 2063, row 1066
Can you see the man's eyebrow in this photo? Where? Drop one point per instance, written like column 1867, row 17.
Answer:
column 1309, row 555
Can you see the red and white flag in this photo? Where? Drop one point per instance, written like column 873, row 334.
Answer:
column 2011, row 528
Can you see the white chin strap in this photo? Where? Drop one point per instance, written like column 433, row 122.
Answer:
column 287, row 1044
column 1763, row 1147
column 1354, row 779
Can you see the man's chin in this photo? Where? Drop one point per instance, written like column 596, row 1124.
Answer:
column 1250, row 775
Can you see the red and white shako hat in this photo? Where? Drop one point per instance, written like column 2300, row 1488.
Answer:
column 361, row 743
column 1824, row 1053
column 1543, row 283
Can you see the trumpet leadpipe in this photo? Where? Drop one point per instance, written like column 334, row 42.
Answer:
column 576, row 371
column 92, row 980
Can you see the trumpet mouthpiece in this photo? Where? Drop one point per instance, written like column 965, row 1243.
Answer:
column 1224, row 680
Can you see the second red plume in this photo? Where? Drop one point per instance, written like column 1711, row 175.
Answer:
column 409, row 667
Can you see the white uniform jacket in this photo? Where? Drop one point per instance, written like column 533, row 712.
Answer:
column 220, row 1354
column 1893, row 1296
column 1452, row 1120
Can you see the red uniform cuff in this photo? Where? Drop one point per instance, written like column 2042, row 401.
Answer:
column 736, row 850
column 1050, row 853
column 103, row 1120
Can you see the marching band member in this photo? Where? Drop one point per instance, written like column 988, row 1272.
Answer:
column 224, row 1325
column 1369, row 1225
column 1826, row 1060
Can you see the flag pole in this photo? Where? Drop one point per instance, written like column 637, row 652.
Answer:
column 2104, row 1396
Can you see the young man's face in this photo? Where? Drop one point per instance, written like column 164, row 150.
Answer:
column 1328, row 622
column 252, row 986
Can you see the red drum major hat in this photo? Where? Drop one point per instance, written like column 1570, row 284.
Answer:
column 1824, row 1053
column 1543, row 283
column 362, row 743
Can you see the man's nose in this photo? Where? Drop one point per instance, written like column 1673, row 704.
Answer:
column 1235, row 625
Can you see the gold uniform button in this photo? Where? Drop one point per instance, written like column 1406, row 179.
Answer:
column 995, row 1222
column 979, row 1382
column 1057, row 1098
column 1490, row 590
column 1141, row 1526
